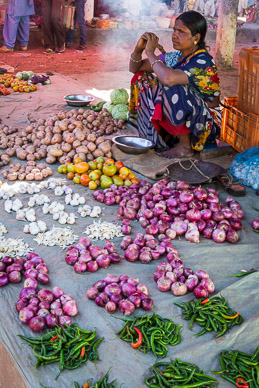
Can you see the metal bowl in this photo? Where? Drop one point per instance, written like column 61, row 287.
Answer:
column 132, row 144
column 78, row 99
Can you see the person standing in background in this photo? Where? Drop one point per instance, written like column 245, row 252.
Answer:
column 209, row 8
column 53, row 29
column 80, row 18
column 181, row 5
column 17, row 25
column 199, row 6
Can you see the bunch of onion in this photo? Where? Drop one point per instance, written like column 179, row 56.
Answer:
column 85, row 256
column 45, row 308
column 144, row 248
column 178, row 209
column 33, row 266
column 174, row 276
column 121, row 292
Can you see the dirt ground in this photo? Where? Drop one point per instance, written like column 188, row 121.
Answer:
column 101, row 67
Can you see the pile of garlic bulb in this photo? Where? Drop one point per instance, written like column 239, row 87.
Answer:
column 35, row 227
column 86, row 210
column 57, row 210
column 6, row 192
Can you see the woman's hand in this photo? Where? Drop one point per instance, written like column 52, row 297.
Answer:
column 141, row 43
column 152, row 42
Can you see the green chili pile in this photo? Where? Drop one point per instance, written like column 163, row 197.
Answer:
column 239, row 368
column 70, row 346
column 102, row 383
column 178, row 373
column 213, row 314
column 98, row 107
column 150, row 333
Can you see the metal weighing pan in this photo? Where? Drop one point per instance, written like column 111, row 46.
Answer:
column 78, row 99
column 193, row 171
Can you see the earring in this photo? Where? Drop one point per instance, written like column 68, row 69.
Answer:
column 195, row 42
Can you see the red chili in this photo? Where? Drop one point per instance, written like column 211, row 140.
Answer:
column 52, row 339
column 82, row 352
column 245, row 385
column 205, row 301
column 140, row 338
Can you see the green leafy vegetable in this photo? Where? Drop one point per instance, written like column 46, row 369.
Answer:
column 120, row 112
column 109, row 106
column 119, row 96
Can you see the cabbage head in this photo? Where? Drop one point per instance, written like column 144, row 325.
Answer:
column 120, row 112
column 108, row 106
column 119, row 96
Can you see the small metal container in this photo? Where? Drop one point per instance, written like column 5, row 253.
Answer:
column 78, row 99
column 133, row 144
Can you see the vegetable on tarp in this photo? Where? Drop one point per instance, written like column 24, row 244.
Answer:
column 120, row 112
column 178, row 373
column 239, row 368
column 150, row 333
column 36, row 79
column 135, row 345
column 67, row 348
column 119, row 96
column 214, row 315
column 108, row 106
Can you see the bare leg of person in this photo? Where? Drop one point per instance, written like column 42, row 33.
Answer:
column 182, row 150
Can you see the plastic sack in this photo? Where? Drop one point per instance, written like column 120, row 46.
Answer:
column 245, row 167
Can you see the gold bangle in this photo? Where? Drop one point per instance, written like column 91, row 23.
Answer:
column 157, row 60
column 134, row 60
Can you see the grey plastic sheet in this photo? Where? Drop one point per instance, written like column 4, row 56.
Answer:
column 127, row 365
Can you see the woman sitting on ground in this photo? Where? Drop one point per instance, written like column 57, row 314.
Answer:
column 176, row 93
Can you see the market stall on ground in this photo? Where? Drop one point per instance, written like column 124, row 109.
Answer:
column 78, row 234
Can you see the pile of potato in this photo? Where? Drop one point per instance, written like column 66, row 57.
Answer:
column 29, row 171
column 76, row 133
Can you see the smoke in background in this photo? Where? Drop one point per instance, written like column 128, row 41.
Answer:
column 134, row 8
column 127, row 11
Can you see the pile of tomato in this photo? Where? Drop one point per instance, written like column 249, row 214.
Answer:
column 98, row 173
column 8, row 80
column 4, row 91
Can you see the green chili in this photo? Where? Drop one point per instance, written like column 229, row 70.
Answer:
column 214, row 315
column 178, row 374
column 157, row 333
column 65, row 352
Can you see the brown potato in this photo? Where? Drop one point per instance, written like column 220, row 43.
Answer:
column 50, row 159
column 12, row 176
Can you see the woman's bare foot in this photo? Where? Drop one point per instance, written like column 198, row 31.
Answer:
column 177, row 152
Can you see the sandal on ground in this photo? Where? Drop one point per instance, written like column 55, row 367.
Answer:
column 22, row 48
column 61, row 49
column 81, row 47
column 5, row 49
column 49, row 51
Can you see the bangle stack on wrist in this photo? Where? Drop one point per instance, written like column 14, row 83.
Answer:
column 156, row 61
column 134, row 60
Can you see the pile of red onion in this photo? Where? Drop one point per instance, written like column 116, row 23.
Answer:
column 45, row 308
column 34, row 268
column 177, row 209
column 144, row 248
column 85, row 256
column 120, row 292
column 179, row 279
